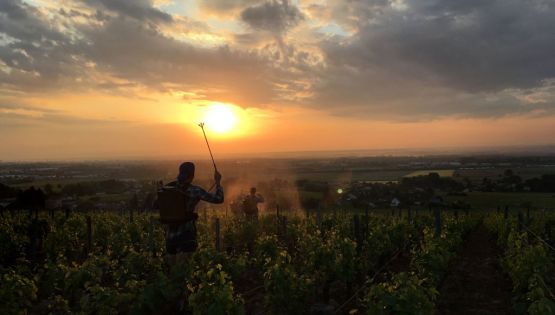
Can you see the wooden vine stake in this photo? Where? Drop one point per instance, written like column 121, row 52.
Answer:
column 217, row 228
column 437, row 215
column 151, row 236
column 89, row 234
column 520, row 222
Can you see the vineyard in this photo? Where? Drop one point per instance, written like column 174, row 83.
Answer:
column 290, row 263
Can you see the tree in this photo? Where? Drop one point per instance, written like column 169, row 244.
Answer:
column 8, row 192
column 31, row 199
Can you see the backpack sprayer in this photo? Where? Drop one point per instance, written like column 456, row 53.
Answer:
column 171, row 204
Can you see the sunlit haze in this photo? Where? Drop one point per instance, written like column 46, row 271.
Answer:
column 133, row 79
column 220, row 118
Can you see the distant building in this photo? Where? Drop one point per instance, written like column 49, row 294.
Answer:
column 395, row 203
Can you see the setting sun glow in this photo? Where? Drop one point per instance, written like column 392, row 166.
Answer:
column 220, row 118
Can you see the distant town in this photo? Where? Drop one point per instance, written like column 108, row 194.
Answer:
column 358, row 182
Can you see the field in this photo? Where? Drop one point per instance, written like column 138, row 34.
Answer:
column 520, row 201
column 337, row 257
column 54, row 182
column 353, row 175
column 334, row 262
column 476, row 175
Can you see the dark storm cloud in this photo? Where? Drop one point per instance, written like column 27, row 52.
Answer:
column 19, row 20
column 474, row 45
column 138, row 9
column 422, row 57
column 24, row 22
column 38, row 54
column 273, row 16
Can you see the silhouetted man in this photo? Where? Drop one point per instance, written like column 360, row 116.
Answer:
column 250, row 204
column 181, row 239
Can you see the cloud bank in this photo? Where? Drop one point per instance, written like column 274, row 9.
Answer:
column 385, row 59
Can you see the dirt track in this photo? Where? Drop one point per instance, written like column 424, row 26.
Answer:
column 475, row 283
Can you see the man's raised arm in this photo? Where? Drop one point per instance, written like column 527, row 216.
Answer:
column 218, row 196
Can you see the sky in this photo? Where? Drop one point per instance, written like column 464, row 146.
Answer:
column 113, row 79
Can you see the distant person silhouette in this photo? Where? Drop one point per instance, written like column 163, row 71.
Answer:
column 250, row 204
column 181, row 239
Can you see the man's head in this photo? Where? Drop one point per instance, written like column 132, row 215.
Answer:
column 186, row 173
column 253, row 190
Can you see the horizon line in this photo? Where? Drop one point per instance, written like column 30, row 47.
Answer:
column 514, row 150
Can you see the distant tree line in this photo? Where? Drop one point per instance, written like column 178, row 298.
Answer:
column 8, row 192
column 431, row 182
column 546, row 183
column 510, row 182
column 28, row 199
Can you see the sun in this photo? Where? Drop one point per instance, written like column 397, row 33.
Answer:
column 220, row 118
